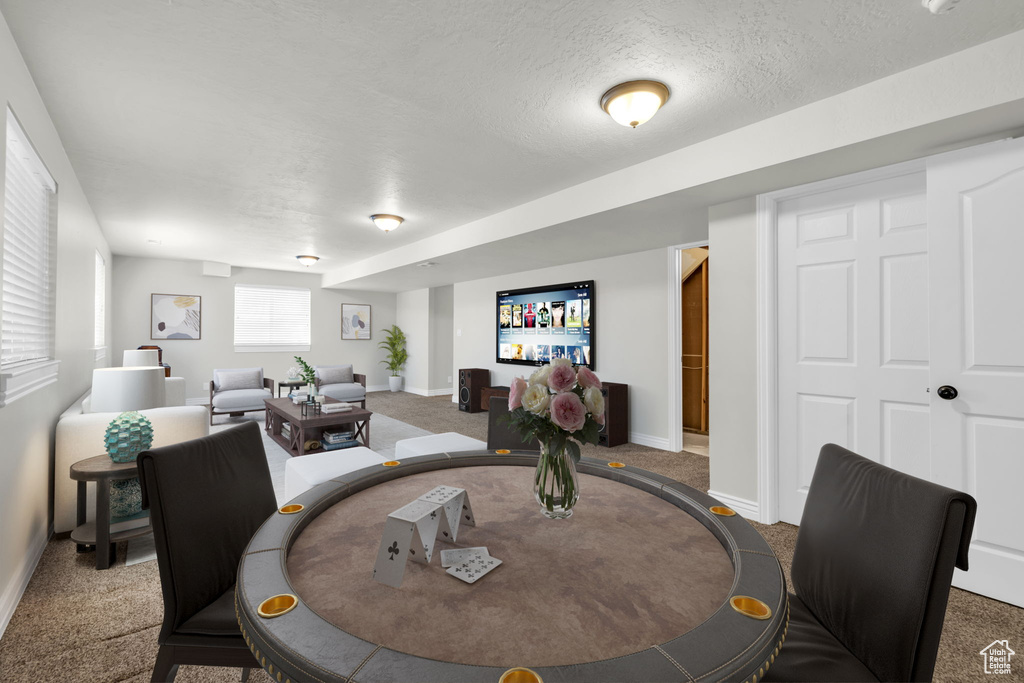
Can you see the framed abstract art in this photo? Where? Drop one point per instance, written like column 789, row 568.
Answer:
column 175, row 316
column 355, row 321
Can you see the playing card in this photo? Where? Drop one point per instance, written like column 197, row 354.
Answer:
column 441, row 494
column 450, row 558
column 414, row 511
column 394, row 550
column 474, row 568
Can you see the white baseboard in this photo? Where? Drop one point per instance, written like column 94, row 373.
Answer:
column 440, row 392
column 648, row 440
column 378, row 387
column 747, row 508
column 198, row 401
column 416, row 390
column 19, row 582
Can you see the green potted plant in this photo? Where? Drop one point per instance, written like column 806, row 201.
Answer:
column 394, row 344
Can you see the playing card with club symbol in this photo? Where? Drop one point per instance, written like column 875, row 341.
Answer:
column 450, row 558
column 474, row 568
column 409, row 533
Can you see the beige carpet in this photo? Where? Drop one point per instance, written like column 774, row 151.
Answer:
column 78, row 624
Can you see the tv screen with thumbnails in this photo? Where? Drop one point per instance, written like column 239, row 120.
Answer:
column 538, row 324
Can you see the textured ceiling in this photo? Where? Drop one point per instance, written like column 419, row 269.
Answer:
column 251, row 131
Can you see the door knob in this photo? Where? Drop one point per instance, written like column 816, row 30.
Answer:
column 947, row 392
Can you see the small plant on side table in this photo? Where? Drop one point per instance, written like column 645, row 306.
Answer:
column 394, row 344
column 308, row 374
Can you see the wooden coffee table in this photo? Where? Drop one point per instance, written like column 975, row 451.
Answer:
column 303, row 429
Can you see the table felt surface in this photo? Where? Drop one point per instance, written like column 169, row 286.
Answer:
column 625, row 572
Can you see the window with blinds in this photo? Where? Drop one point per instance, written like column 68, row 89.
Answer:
column 100, row 303
column 29, row 260
column 271, row 318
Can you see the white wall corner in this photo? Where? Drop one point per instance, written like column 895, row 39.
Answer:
column 747, row 508
column 19, row 582
column 661, row 443
column 416, row 390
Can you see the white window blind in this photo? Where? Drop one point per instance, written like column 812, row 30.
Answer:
column 271, row 318
column 29, row 253
column 100, row 304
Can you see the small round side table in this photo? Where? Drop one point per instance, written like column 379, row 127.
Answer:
column 102, row 470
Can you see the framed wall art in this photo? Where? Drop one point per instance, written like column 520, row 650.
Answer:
column 175, row 316
column 355, row 321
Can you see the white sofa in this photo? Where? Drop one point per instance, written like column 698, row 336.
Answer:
column 80, row 436
column 302, row 474
column 447, row 442
column 339, row 382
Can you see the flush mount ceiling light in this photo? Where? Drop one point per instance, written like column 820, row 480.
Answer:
column 634, row 102
column 307, row 260
column 386, row 221
column 939, row 6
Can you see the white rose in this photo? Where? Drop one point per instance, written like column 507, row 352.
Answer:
column 536, row 399
column 593, row 399
column 540, row 376
column 560, row 361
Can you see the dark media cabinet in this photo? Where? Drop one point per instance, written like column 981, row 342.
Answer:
column 616, row 409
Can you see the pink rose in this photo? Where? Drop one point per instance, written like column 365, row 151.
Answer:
column 562, row 378
column 568, row 411
column 587, row 378
column 515, row 393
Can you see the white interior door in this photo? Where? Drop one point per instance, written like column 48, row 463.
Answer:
column 852, row 330
column 976, row 212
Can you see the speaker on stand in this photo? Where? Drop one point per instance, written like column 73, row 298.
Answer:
column 616, row 415
column 471, row 381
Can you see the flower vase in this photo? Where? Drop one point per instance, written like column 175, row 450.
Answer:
column 555, row 484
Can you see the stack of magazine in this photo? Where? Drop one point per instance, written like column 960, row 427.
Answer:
column 332, row 441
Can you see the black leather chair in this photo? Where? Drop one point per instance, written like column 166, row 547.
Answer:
column 207, row 497
column 872, row 567
column 500, row 433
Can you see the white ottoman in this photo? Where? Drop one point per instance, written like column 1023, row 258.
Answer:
column 304, row 472
column 449, row 442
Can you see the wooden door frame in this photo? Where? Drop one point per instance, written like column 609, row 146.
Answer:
column 767, row 322
column 675, row 342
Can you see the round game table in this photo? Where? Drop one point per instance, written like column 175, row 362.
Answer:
column 650, row 580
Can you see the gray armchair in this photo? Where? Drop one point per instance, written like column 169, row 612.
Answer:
column 339, row 382
column 235, row 391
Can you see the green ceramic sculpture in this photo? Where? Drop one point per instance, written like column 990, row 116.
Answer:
column 127, row 435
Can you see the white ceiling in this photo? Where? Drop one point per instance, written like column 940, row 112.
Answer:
column 252, row 131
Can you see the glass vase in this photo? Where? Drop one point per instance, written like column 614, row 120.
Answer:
column 555, row 484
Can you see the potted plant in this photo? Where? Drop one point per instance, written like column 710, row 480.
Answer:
column 394, row 344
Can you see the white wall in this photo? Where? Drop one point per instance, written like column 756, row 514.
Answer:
column 413, row 316
column 732, row 331
column 631, row 295
column 27, row 425
column 442, row 333
column 136, row 278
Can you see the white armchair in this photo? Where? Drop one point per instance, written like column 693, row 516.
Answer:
column 174, row 387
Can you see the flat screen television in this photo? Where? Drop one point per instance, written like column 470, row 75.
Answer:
column 537, row 324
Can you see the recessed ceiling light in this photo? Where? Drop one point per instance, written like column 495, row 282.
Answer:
column 427, row 264
column 154, row 241
column 386, row 221
column 307, row 260
column 634, row 102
